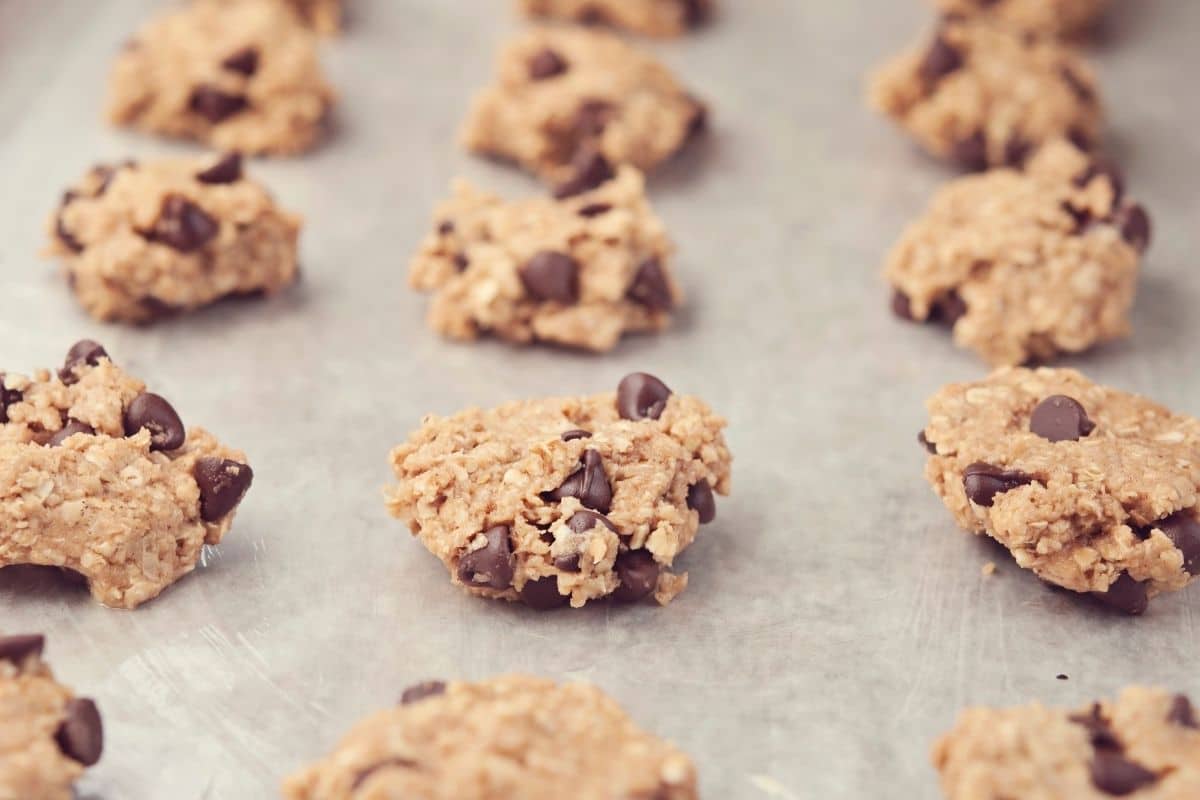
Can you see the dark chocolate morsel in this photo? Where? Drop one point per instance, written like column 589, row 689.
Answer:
column 1184, row 532
column 1059, row 418
column 72, row 427
column 85, row 351
column 156, row 415
column 982, row 482
column 546, row 63
column 553, row 276
column 1125, row 594
column 1182, row 713
column 228, row 169
column 244, row 61
column 15, row 649
column 223, row 483
column 491, row 565
column 640, row 395
column 1113, row 773
column 583, row 521
column 700, row 499
column 923, row 440
column 638, row 573
column 940, row 60
column 182, row 225
column 589, row 484
column 421, row 691
column 542, row 594
column 80, row 735
column 590, row 169
column 971, row 152
column 575, row 433
column 215, row 105
column 650, row 287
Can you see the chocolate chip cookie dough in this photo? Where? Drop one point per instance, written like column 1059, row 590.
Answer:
column 508, row 738
column 142, row 241
column 1093, row 489
column 649, row 17
column 100, row 477
column 580, row 271
column 1025, row 265
column 982, row 94
column 1053, row 17
column 565, row 499
column 569, row 104
column 322, row 16
column 1144, row 745
column 47, row 734
column 238, row 76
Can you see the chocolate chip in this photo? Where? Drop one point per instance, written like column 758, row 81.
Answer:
column 924, row 442
column 8, row 397
column 461, row 262
column 1080, row 217
column 901, row 305
column 182, row 225
column 80, row 735
column 947, row 309
column 1114, row 774
column 590, row 169
column 589, row 484
column 1060, row 419
column 215, row 105
column 1182, row 713
column 700, row 499
column 243, row 62
column 575, row 433
column 1102, row 167
column 1125, row 594
column 650, row 287
column 397, row 762
column 1016, row 150
column 592, row 117
column 641, row 396
column 1062, row 677
column 940, row 60
column 697, row 120
column 15, row 649
column 65, row 236
column 982, row 482
column 156, row 415
column 1082, row 89
column 490, row 565
column 72, row 427
column 694, row 12
column 971, row 152
column 638, row 573
column 85, row 351
column 567, row 563
column 1080, row 138
column 595, row 209
column 223, row 483
column 422, row 691
column 227, row 170
column 1100, row 734
column 583, row 521
column 445, row 227
column 542, row 594
column 553, row 276
column 546, row 64
column 1134, row 224
column 1184, row 532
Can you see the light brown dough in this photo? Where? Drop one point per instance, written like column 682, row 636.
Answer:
column 649, row 17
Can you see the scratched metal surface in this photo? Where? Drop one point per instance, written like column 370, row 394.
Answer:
column 835, row 619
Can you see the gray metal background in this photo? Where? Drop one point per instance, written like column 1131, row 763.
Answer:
column 835, row 620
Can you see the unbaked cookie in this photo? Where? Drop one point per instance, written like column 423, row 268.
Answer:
column 1146, row 745
column 100, row 477
column 565, row 499
column 508, row 738
column 1025, row 265
column 570, row 104
column 981, row 94
column 141, row 241
column 580, row 271
column 239, row 76
column 1093, row 489
column 323, row 16
column 1054, row 17
column 47, row 734
column 650, row 17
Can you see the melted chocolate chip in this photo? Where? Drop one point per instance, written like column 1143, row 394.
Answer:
column 982, row 482
column 592, row 118
column 542, row 594
column 1059, row 418
column 1125, row 594
column 1017, row 150
column 223, row 483
column 15, row 649
column 641, row 396
column 971, row 151
column 589, row 484
column 72, row 427
column 552, row 276
column 421, row 691
column 546, row 63
column 638, row 573
column 700, row 499
column 650, row 287
column 1182, row 713
column 568, row 562
column 1134, row 224
column 595, row 209
column 243, row 62
column 461, row 262
column 227, row 170
column 156, row 415
column 215, row 105
column 941, row 59
column 182, row 225
column 80, row 735
column 590, row 169
column 1114, row 774
column 583, row 521
column 1184, row 532
column 85, row 351
column 947, row 309
column 575, row 433
column 929, row 446
column 491, row 565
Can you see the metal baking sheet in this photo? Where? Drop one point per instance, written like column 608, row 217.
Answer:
column 835, row 620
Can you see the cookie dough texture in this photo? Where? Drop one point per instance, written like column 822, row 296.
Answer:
column 142, row 241
column 649, row 17
column 47, row 735
column 1053, row 17
column 99, row 477
column 580, row 271
column 508, row 738
column 565, row 96
column 1025, row 265
column 1145, row 745
column 1093, row 489
column 322, row 16
column 564, row 499
column 981, row 94
column 238, row 76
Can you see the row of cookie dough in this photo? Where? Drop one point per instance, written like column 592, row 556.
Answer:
column 552, row 501
column 443, row 741
column 453, row 741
